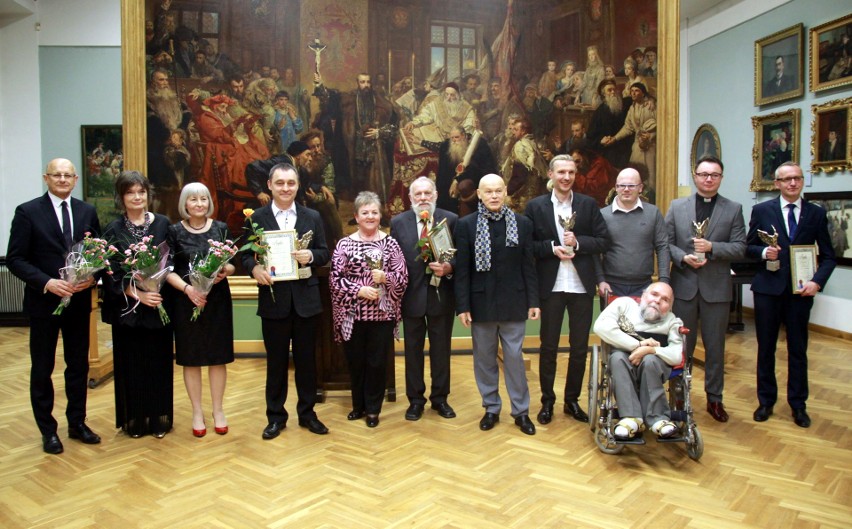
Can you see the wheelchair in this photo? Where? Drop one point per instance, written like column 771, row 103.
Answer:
column 603, row 409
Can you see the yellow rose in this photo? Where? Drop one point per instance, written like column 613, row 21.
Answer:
column 248, row 212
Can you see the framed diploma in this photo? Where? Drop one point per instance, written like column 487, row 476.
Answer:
column 441, row 242
column 280, row 263
column 803, row 265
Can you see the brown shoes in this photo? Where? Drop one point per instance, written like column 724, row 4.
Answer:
column 717, row 411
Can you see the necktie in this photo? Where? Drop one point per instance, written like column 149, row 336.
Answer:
column 791, row 220
column 424, row 232
column 66, row 224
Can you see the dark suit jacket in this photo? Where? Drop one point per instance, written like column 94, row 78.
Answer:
column 498, row 294
column 37, row 251
column 592, row 240
column 827, row 154
column 421, row 299
column 812, row 228
column 303, row 294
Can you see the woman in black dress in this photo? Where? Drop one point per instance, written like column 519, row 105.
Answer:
column 208, row 341
column 142, row 345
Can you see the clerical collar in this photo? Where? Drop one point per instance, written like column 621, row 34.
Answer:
column 706, row 200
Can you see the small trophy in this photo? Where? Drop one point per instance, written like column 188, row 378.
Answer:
column 445, row 256
column 627, row 327
column 568, row 225
column 698, row 231
column 375, row 263
column 303, row 244
column 772, row 265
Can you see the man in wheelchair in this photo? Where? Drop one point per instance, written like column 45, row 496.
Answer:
column 646, row 343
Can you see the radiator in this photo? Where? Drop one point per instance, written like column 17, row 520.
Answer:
column 11, row 294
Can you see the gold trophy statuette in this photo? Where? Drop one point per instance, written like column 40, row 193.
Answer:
column 772, row 265
column 375, row 263
column 698, row 231
column 568, row 225
column 303, row 244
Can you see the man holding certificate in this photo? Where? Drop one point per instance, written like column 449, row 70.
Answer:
column 784, row 232
column 288, row 302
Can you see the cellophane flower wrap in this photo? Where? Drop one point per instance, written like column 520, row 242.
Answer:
column 257, row 244
column 82, row 262
column 148, row 268
column 204, row 268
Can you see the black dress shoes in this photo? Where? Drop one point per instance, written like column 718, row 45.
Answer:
column 372, row 421
column 546, row 414
column 314, row 425
column 414, row 412
column 717, row 411
column 525, row 424
column 574, row 410
column 273, row 430
column 444, row 410
column 762, row 413
column 354, row 415
column 81, row 432
column 51, row 444
column 800, row 417
column 488, row 421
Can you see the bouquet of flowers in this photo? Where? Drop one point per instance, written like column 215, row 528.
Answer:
column 146, row 266
column 257, row 244
column 81, row 263
column 204, row 268
column 423, row 243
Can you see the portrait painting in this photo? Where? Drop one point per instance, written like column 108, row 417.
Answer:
column 838, row 207
column 831, row 54
column 776, row 140
column 103, row 160
column 705, row 143
column 778, row 66
column 830, row 136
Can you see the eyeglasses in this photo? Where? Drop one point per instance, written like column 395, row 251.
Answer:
column 60, row 176
column 789, row 179
column 630, row 187
column 705, row 176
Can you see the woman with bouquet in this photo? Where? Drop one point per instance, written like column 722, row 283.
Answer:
column 142, row 342
column 203, row 319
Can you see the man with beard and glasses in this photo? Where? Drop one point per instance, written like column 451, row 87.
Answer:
column 524, row 168
column 165, row 115
column 641, row 125
column 445, row 112
column 607, row 120
column 641, row 361
column 457, row 181
column 428, row 303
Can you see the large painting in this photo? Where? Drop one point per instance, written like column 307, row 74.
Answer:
column 103, row 160
column 838, row 207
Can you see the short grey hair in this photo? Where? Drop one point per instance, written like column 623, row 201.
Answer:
column 366, row 198
column 422, row 179
column 195, row 189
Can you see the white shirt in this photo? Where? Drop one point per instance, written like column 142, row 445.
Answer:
column 567, row 278
column 617, row 207
column 286, row 218
column 57, row 209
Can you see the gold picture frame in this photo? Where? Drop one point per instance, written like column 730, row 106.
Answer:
column 831, row 121
column 705, row 143
column 779, row 66
column 826, row 53
column 776, row 140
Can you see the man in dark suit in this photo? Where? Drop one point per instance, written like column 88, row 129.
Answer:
column 775, row 300
column 779, row 83
column 832, row 149
column 425, row 305
column 292, row 313
column 565, row 262
column 496, row 292
column 701, row 270
column 42, row 232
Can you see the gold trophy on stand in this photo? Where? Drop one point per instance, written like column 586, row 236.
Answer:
column 698, row 231
column 568, row 225
column 303, row 244
column 773, row 265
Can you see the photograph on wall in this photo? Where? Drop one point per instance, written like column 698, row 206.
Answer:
column 778, row 61
column 705, row 143
column 776, row 140
column 102, row 162
column 838, row 207
column 831, row 54
column 233, row 86
column 830, row 136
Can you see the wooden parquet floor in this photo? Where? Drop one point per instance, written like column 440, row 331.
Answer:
column 434, row 473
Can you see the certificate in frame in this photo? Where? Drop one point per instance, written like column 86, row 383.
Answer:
column 281, row 264
column 803, row 265
column 441, row 242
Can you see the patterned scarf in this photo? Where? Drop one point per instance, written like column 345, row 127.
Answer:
column 482, row 244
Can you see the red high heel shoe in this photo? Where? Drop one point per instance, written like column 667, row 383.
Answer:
column 199, row 433
column 221, row 430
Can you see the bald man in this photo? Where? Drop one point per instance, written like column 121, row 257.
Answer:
column 43, row 231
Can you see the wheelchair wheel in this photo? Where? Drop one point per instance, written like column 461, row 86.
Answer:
column 606, row 444
column 594, row 374
column 695, row 446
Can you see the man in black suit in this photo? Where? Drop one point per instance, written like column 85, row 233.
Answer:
column 775, row 300
column 832, row 149
column 780, row 82
column 425, row 305
column 565, row 261
column 292, row 313
column 42, row 232
column 496, row 292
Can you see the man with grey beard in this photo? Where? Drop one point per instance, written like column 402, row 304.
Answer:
column 607, row 120
column 446, row 112
column 165, row 115
column 642, row 358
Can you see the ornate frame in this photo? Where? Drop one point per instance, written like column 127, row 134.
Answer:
column 761, row 54
column 816, row 84
column 705, row 128
column 763, row 144
column 133, row 104
column 817, row 129
column 840, row 201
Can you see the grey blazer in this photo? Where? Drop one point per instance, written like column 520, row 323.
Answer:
column 726, row 231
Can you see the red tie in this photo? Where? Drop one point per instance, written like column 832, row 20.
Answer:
column 424, row 232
